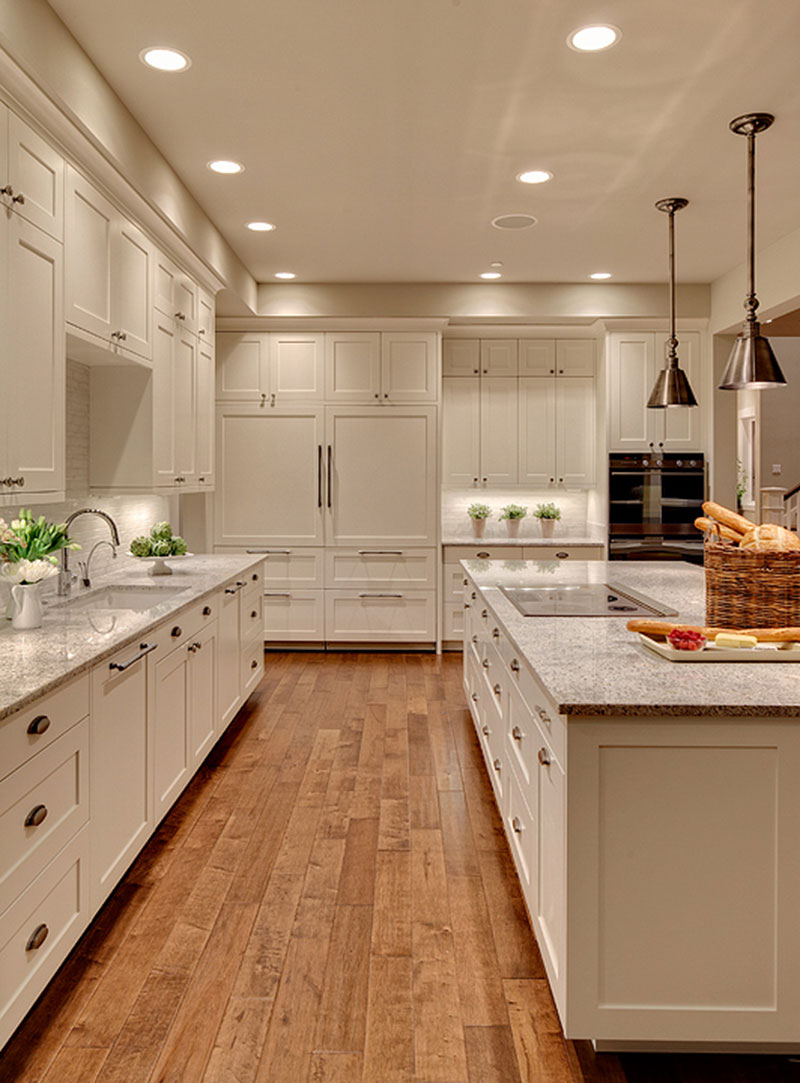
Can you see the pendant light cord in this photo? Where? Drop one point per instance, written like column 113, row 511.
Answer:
column 672, row 344
column 751, row 301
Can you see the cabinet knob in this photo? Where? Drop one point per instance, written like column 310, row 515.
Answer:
column 514, row 665
column 483, row 555
column 552, row 371
column 544, row 758
column 497, row 689
column 485, row 663
column 386, row 394
column 37, row 937
column 36, row 816
column 254, row 577
column 254, row 613
column 474, row 639
column 39, row 725
column 474, row 697
column 206, row 610
column 517, row 733
column 517, row 825
column 495, row 633
column 377, row 396
column 254, row 664
column 562, row 556
column 464, row 581
column 176, row 631
column 485, row 731
column 18, row 198
column 484, row 613
column 552, row 480
column 497, row 765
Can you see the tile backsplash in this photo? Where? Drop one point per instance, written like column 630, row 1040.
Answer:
column 572, row 503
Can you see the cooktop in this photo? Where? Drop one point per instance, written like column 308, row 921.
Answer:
column 584, row 600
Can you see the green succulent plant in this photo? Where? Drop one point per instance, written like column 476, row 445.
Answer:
column 513, row 511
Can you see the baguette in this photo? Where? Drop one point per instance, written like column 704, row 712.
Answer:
column 763, row 635
column 702, row 523
column 727, row 517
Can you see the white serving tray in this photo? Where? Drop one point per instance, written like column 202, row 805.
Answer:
column 762, row 652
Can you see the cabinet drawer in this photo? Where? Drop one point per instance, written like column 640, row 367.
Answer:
column 42, row 805
column 302, row 568
column 565, row 552
column 181, row 627
column 521, row 831
column 377, row 568
column 454, row 582
column 453, row 621
column 541, row 708
column 252, row 667
column 32, row 729
column 407, row 616
column 251, row 615
column 56, row 900
column 454, row 553
column 294, row 616
column 522, row 737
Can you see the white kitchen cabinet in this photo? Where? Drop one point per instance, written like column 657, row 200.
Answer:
column 121, row 801
column 575, row 432
column 271, row 481
column 176, row 295
column 388, row 367
column 404, row 616
column 237, row 676
column 479, row 430
column 31, row 175
column 204, row 414
column 499, row 357
column 206, row 308
column 461, row 357
column 270, row 368
column 32, row 362
column 537, row 431
column 635, row 358
column 537, row 357
column 381, row 476
column 109, row 279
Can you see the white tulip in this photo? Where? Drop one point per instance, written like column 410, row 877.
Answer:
column 27, row 571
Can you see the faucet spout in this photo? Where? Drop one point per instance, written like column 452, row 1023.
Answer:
column 65, row 576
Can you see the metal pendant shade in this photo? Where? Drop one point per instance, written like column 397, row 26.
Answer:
column 752, row 363
column 672, row 386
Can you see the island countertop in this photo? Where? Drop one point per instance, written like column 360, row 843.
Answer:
column 72, row 639
column 593, row 666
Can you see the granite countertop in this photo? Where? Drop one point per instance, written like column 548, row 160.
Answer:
column 575, row 540
column 595, row 666
column 72, row 639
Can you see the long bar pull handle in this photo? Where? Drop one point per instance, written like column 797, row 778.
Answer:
column 319, row 475
column 277, row 594
column 271, row 552
column 144, row 648
column 380, row 552
column 330, row 471
column 366, row 594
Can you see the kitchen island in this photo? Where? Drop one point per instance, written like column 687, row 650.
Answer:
column 652, row 811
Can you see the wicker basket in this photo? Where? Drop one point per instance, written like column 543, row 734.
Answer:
column 750, row 589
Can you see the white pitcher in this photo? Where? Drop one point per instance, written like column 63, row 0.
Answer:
column 27, row 606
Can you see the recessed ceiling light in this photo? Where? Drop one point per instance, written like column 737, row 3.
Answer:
column 496, row 263
column 514, row 221
column 260, row 227
column 535, row 176
column 163, row 59
column 491, row 274
column 222, row 165
column 600, row 275
column 591, row 39
column 285, row 274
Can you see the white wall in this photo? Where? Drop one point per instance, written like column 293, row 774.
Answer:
column 780, row 419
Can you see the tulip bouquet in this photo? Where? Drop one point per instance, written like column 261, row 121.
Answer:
column 28, row 545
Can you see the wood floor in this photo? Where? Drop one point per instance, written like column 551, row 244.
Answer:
column 331, row 901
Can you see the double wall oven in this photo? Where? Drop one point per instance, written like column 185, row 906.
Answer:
column 653, row 502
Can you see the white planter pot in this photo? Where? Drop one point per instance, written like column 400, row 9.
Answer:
column 478, row 527
column 27, row 606
column 548, row 526
column 512, row 526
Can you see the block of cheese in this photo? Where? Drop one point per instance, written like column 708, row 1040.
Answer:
column 734, row 639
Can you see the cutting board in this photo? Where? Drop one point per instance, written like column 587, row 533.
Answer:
column 762, row 652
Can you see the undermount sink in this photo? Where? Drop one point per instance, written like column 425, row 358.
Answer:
column 134, row 598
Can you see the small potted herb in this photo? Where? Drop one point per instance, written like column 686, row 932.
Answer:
column 547, row 515
column 512, row 515
column 479, row 513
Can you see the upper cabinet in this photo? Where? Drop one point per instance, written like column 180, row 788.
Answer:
column 634, row 360
column 270, row 367
column 387, row 368
column 31, row 175
column 176, row 295
column 109, row 277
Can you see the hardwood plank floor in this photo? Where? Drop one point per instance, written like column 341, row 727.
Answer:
column 331, row 901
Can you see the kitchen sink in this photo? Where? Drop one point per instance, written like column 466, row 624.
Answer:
column 135, row 598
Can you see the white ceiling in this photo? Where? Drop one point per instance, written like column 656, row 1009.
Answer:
column 382, row 136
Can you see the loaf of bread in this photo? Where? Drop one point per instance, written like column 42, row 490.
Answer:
column 727, row 517
column 662, row 628
column 769, row 537
column 703, row 523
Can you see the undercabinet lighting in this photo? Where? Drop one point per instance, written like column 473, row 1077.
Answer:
column 491, row 274
column 592, row 39
column 285, row 274
column 223, row 165
column 598, row 276
column 260, row 227
column 163, row 59
column 534, row 176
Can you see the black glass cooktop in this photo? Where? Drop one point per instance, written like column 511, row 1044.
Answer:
column 584, row 600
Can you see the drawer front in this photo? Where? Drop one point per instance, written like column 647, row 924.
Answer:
column 58, row 899
column 565, row 552
column 252, row 667
column 42, row 805
column 540, row 706
column 294, row 616
column 523, row 738
column 407, row 616
column 453, row 621
column 32, row 729
column 454, row 583
column 301, row 568
column 251, row 613
column 381, row 568
column 521, row 831
column 454, row 553
column 178, row 629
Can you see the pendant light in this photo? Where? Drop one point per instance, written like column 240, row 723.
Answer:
column 672, row 385
column 752, row 362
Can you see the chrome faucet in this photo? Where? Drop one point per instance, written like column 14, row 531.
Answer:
column 65, row 577
column 84, row 565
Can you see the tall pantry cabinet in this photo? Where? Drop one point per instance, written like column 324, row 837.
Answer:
column 327, row 461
